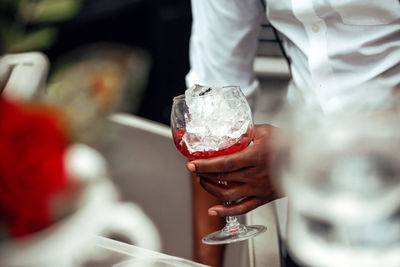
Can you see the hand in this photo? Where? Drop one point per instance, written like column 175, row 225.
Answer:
column 251, row 174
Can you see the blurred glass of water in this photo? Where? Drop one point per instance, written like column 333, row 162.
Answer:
column 343, row 184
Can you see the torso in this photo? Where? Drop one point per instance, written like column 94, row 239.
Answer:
column 333, row 42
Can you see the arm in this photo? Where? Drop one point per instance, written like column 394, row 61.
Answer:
column 223, row 44
column 204, row 224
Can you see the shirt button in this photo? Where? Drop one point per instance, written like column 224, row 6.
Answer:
column 315, row 27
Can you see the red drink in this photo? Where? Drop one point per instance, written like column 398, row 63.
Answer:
column 241, row 144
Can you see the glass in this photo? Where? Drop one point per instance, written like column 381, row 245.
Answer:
column 343, row 187
column 214, row 125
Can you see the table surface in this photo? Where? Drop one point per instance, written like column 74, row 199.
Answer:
column 108, row 252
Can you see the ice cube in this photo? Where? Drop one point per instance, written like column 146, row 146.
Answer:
column 218, row 118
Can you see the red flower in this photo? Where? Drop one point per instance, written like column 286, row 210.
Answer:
column 32, row 145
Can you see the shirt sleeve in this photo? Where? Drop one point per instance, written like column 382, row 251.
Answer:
column 223, row 43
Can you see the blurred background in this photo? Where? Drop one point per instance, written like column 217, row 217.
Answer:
column 161, row 29
column 134, row 52
column 57, row 28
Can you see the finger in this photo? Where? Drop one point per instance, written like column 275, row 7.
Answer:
column 190, row 166
column 264, row 131
column 242, row 175
column 251, row 156
column 228, row 163
column 225, row 193
column 234, row 209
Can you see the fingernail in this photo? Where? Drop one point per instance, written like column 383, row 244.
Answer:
column 212, row 212
column 191, row 167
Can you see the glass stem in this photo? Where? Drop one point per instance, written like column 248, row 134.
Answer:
column 230, row 219
column 232, row 224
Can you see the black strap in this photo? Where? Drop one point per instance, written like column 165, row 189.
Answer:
column 288, row 60
column 278, row 39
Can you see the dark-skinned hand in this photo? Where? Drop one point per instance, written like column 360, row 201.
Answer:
column 251, row 174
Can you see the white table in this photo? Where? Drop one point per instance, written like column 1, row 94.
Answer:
column 108, row 252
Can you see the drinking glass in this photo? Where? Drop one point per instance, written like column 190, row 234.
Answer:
column 214, row 125
column 343, row 186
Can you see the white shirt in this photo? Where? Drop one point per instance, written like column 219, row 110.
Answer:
column 335, row 46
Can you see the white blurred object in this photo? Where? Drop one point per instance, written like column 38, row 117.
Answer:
column 100, row 213
column 343, row 186
column 126, row 219
column 23, row 75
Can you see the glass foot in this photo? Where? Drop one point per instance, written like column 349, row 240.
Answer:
column 236, row 233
